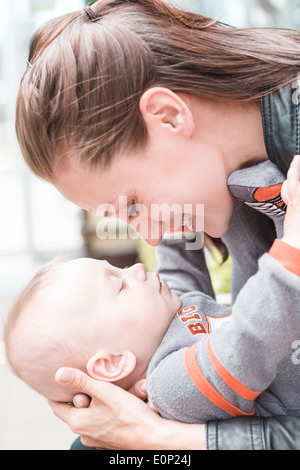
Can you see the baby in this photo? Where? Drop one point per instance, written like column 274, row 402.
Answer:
column 84, row 312
column 201, row 360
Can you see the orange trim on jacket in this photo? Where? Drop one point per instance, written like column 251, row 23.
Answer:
column 269, row 193
column 287, row 255
column 231, row 381
column 206, row 388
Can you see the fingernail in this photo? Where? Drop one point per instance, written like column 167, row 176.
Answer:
column 64, row 376
column 143, row 388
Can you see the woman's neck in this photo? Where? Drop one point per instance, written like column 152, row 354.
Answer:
column 236, row 128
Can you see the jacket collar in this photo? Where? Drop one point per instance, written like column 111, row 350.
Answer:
column 280, row 116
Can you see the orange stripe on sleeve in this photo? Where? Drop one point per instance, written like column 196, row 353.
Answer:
column 286, row 255
column 205, row 387
column 266, row 194
column 231, row 381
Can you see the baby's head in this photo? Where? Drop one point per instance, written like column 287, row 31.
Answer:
column 87, row 314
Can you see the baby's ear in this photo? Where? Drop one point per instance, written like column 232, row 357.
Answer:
column 111, row 366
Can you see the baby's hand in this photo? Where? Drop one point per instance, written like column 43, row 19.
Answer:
column 291, row 196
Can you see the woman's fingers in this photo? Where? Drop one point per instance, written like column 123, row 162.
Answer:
column 152, row 407
column 81, row 401
column 80, row 383
column 111, row 410
column 139, row 389
column 62, row 410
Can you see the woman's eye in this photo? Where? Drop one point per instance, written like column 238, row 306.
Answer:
column 132, row 210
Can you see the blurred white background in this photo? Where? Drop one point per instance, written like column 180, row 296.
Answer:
column 36, row 222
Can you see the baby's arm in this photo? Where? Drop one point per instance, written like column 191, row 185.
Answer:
column 183, row 269
column 224, row 372
column 291, row 196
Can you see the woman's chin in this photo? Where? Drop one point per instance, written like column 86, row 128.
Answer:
column 218, row 231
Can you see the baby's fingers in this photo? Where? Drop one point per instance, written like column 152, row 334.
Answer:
column 285, row 193
column 292, row 185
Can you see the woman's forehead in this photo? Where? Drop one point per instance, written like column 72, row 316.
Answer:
column 144, row 177
column 89, row 189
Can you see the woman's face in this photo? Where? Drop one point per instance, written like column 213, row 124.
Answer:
column 170, row 184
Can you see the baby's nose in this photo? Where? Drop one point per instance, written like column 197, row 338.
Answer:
column 140, row 272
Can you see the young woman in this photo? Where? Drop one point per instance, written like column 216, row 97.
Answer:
column 140, row 99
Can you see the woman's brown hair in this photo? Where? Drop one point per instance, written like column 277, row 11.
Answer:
column 88, row 73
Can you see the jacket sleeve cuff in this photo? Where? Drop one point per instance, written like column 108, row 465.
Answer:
column 287, row 255
column 257, row 433
column 236, row 434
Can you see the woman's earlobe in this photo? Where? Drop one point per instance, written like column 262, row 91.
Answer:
column 111, row 367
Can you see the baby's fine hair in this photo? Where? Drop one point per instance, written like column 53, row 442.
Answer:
column 34, row 347
column 40, row 280
column 88, row 70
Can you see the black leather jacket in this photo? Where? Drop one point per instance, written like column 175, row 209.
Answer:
column 280, row 116
column 273, row 433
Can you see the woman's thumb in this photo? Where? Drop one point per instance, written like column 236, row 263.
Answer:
column 77, row 381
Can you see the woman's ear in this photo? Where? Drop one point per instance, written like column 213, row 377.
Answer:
column 162, row 107
column 111, row 367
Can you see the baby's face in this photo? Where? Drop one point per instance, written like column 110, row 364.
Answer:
column 121, row 309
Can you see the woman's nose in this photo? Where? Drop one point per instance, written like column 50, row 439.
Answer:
column 153, row 242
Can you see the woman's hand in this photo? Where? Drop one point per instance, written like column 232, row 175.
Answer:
column 138, row 389
column 116, row 419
